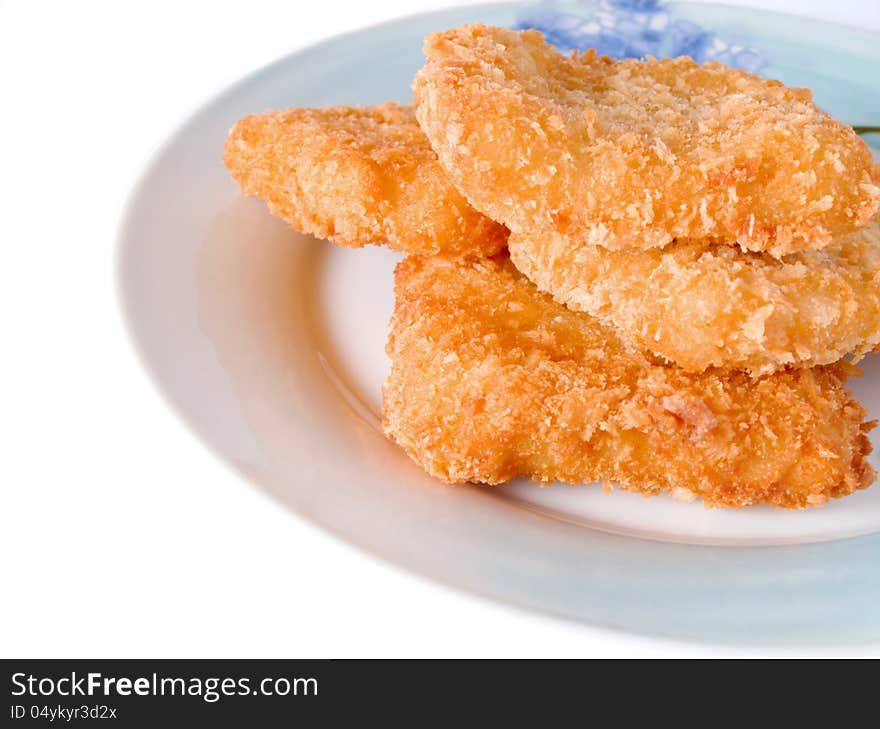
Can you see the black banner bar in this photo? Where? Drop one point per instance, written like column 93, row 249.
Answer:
column 244, row 693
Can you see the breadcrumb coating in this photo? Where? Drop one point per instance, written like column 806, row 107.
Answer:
column 491, row 380
column 357, row 175
column 700, row 304
column 636, row 153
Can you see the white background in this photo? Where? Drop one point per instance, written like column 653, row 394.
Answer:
column 120, row 535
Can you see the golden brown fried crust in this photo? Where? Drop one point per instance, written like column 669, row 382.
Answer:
column 702, row 305
column 491, row 379
column 357, row 175
column 636, row 153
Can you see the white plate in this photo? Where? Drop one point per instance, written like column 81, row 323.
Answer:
column 270, row 345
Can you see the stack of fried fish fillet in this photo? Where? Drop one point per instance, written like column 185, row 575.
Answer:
column 641, row 273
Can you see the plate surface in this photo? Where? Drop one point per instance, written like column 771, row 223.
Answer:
column 270, row 345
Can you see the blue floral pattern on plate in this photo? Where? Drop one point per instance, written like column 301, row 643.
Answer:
column 633, row 29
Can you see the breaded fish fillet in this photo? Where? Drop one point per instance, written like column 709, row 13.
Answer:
column 702, row 305
column 491, row 379
column 357, row 175
column 636, row 153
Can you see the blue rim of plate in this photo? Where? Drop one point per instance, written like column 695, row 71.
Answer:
column 810, row 594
